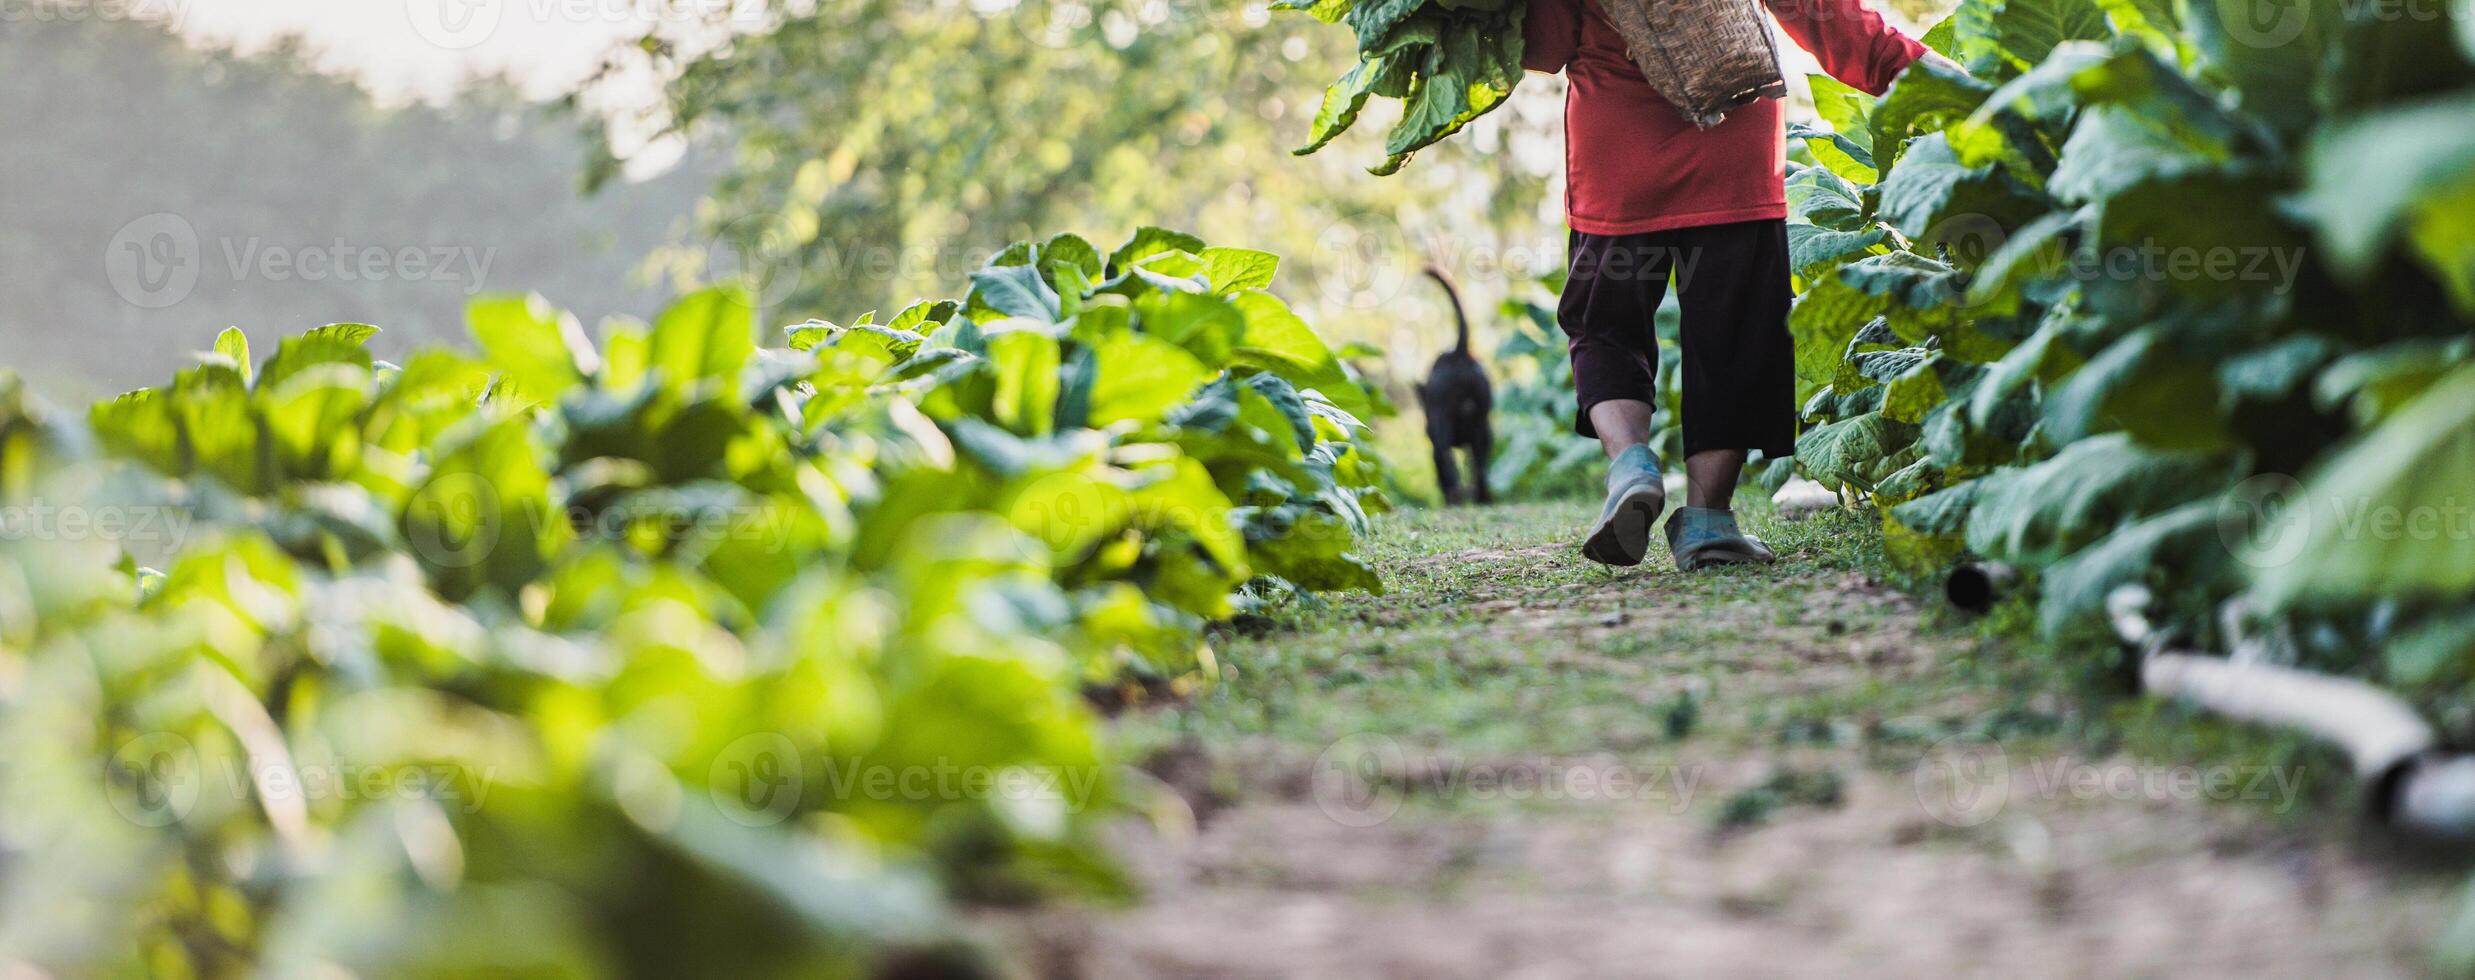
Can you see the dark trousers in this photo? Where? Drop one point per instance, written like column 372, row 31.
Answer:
column 1739, row 367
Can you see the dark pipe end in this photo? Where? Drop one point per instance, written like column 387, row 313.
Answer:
column 1975, row 587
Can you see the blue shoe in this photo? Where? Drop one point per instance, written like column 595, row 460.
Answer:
column 1636, row 494
column 1701, row 537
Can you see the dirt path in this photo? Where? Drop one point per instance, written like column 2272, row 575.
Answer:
column 1520, row 765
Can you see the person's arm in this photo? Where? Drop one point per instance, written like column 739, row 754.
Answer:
column 1853, row 43
column 1551, row 34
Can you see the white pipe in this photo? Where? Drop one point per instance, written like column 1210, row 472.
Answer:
column 2409, row 783
column 2378, row 731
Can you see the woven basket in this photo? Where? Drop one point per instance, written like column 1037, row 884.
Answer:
column 1707, row 57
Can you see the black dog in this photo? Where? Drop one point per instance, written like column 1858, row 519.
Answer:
column 1458, row 400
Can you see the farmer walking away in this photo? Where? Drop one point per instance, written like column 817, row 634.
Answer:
column 1685, row 176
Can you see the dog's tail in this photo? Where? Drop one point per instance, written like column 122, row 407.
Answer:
column 1461, row 317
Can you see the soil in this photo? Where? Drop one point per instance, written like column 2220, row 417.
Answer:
column 1820, row 808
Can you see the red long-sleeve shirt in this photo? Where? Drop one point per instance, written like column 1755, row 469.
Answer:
column 1636, row 165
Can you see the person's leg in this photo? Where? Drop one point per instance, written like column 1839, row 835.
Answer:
column 1739, row 379
column 1609, row 309
column 1710, row 477
column 1622, row 424
column 1608, row 312
column 1739, row 367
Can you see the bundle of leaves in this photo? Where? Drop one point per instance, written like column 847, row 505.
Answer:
column 2184, row 305
column 655, row 654
column 1447, row 61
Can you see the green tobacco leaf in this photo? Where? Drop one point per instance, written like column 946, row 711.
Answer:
column 2093, row 486
column 1149, row 241
column 1819, row 197
column 234, row 344
column 1934, row 200
column 310, row 422
column 339, row 343
column 2144, row 387
column 484, row 517
column 1941, row 512
column 1925, row 99
column 1845, row 108
column 1375, row 19
column 1027, row 380
column 2180, row 551
column 1328, row 11
column 1207, row 326
column 1231, row 270
column 924, row 314
column 2116, row 147
column 1017, row 291
column 1843, row 156
column 2420, row 152
column 2202, row 234
column 1838, row 454
column 1471, row 72
column 2271, row 51
column 2387, row 517
column 1824, row 320
column 2026, row 31
column 1810, row 246
column 1276, row 340
column 1073, row 251
column 1342, row 103
column 708, row 335
column 1914, row 391
column 1141, row 377
column 2375, row 383
column 541, row 350
column 2038, row 251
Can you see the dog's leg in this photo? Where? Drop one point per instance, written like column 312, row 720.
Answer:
column 1482, row 454
column 1447, row 470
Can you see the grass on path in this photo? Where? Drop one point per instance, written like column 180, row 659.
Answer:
column 1521, row 763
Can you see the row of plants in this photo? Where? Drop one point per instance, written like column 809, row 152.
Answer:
column 654, row 651
column 2177, row 297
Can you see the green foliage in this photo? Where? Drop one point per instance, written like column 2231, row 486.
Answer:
column 1448, row 61
column 871, row 151
column 705, row 655
column 2087, row 310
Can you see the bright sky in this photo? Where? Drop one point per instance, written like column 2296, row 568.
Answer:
column 422, row 48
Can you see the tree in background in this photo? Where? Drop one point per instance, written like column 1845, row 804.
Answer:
column 123, row 135
column 876, row 147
